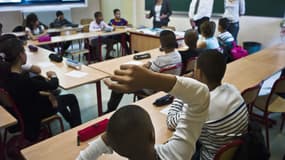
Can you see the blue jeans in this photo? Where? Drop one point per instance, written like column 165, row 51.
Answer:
column 234, row 29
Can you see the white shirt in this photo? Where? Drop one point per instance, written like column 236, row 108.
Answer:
column 200, row 8
column 233, row 9
column 26, row 67
column 182, row 144
column 39, row 30
column 157, row 10
column 98, row 27
column 165, row 61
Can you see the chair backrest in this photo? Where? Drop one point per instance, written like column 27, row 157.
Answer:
column 249, row 95
column 69, row 32
column 85, row 22
column 227, row 152
column 279, row 85
column 172, row 69
column 9, row 104
column 189, row 66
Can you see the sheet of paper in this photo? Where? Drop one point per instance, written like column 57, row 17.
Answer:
column 165, row 110
column 76, row 74
column 45, row 64
column 139, row 63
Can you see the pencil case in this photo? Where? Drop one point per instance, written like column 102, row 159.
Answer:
column 33, row 48
column 163, row 100
column 45, row 38
column 93, row 130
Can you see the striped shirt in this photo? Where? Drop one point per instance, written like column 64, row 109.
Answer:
column 225, row 38
column 228, row 118
column 165, row 61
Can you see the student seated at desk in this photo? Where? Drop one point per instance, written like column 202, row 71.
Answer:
column 25, row 67
column 99, row 25
column 60, row 21
column 225, row 38
column 118, row 21
column 27, row 91
column 33, row 27
column 207, row 39
column 228, row 116
column 130, row 132
column 171, row 58
column 190, row 38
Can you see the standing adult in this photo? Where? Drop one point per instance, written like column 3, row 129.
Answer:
column 199, row 12
column 161, row 11
column 233, row 9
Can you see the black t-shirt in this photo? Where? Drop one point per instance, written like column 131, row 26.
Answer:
column 190, row 53
column 32, row 106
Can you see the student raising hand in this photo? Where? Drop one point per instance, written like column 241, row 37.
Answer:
column 131, row 78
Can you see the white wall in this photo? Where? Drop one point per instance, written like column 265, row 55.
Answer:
column 10, row 20
column 85, row 12
column 261, row 29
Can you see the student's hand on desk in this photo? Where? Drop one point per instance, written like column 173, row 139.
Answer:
column 129, row 78
column 51, row 74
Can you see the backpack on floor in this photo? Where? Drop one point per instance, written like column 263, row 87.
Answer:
column 238, row 52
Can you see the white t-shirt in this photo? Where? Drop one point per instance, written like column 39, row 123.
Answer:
column 94, row 26
column 39, row 30
column 200, row 8
column 165, row 61
column 233, row 9
column 157, row 10
column 182, row 144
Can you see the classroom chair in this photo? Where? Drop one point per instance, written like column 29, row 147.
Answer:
column 189, row 66
column 249, row 95
column 227, row 152
column 271, row 103
column 167, row 70
column 85, row 22
column 18, row 141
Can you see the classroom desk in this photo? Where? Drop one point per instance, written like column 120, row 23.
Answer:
column 41, row 59
column 253, row 69
column 6, row 119
column 64, row 146
column 109, row 66
column 63, row 29
column 77, row 36
column 146, row 40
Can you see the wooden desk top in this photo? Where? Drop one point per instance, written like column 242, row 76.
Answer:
column 64, row 146
column 6, row 119
column 57, row 39
column 54, row 30
column 253, row 69
column 41, row 59
column 109, row 66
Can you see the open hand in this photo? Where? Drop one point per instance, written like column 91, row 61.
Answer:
column 129, row 78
